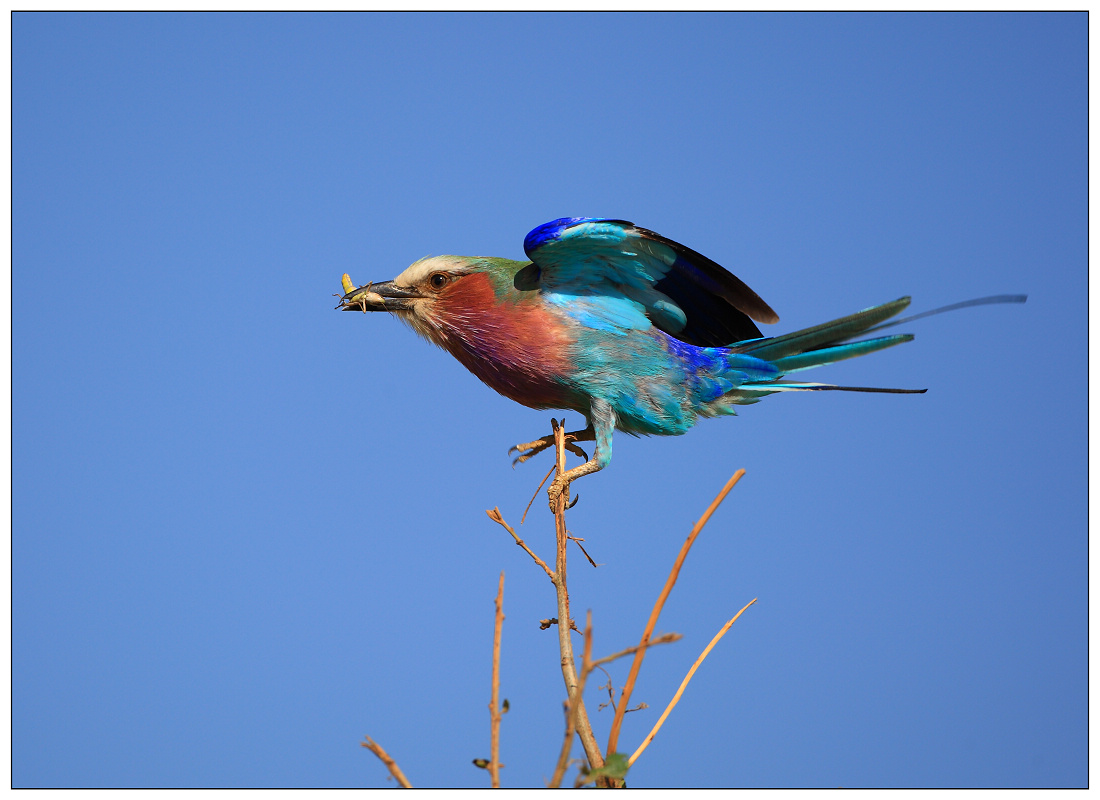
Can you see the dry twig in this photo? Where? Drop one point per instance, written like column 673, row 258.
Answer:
column 624, row 698
column 384, row 757
column 536, row 494
column 610, row 688
column 683, row 685
column 496, row 516
column 664, row 638
column 494, row 702
column 577, row 541
column 572, row 707
column 565, row 643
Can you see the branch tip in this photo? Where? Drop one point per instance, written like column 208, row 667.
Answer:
column 684, row 683
column 624, row 698
column 384, row 757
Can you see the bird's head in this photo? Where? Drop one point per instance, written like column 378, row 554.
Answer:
column 443, row 294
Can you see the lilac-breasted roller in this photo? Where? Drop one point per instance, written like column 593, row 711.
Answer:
column 631, row 329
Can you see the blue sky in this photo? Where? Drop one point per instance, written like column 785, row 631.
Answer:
column 248, row 530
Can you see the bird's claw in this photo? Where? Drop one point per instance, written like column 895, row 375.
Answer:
column 523, row 456
column 576, row 450
column 556, row 490
column 532, row 449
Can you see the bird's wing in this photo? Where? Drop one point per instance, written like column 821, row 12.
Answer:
column 684, row 293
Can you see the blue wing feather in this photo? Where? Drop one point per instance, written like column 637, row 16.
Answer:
column 680, row 291
column 551, row 231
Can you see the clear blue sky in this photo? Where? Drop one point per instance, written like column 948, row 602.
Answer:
column 248, row 529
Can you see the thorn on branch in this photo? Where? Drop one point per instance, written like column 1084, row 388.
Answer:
column 536, row 494
column 578, row 540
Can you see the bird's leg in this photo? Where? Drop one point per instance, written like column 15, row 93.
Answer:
column 601, row 426
column 531, row 449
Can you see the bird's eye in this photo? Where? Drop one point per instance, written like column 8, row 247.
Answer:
column 438, row 280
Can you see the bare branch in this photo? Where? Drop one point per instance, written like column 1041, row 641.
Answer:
column 624, row 698
column 496, row 516
column 577, row 541
column 664, row 638
column 536, row 494
column 573, row 705
column 565, row 643
column 683, row 685
column 384, row 757
column 610, row 687
column 494, row 702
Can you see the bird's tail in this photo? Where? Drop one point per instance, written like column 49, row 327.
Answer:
column 831, row 342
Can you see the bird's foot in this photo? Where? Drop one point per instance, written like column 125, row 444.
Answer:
column 558, row 488
column 532, row 449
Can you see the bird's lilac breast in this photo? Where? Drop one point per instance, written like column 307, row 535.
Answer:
column 516, row 345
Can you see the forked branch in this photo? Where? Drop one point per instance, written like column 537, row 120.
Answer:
column 624, row 698
column 577, row 722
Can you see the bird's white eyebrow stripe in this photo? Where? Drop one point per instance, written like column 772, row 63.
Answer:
column 420, row 270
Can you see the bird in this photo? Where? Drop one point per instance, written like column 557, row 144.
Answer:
column 637, row 332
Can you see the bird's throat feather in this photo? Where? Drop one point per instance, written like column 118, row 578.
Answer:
column 509, row 340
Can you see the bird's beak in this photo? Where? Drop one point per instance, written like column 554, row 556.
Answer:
column 384, row 296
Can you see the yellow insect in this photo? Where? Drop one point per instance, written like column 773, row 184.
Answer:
column 362, row 299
